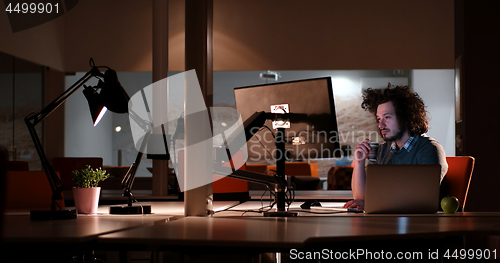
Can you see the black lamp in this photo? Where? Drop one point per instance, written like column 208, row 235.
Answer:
column 128, row 179
column 114, row 98
column 107, row 95
column 97, row 108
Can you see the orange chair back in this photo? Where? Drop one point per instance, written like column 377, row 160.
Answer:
column 458, row 177
column 29, row 189
column 18, row 166
column 339, row 178
column 231, row 185
column 256, row 167
column 314, row 170
column 293, row 168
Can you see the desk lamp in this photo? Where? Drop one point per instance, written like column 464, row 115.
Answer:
column 108, row 94
column 128, row 179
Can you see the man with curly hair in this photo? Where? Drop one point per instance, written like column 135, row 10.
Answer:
column 402, row 122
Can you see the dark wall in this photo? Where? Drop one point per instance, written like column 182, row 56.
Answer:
column 477, row 41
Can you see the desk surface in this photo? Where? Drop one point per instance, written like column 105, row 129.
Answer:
column 18, row 227
column 251, row 208
column 285, row 233
column 231, row 229
column 227, row 230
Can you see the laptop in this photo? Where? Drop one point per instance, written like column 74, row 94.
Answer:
column 402, row 189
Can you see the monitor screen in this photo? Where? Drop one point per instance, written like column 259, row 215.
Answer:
column 310, row 133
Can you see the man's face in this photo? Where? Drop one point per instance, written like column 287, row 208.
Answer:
column 388, row 122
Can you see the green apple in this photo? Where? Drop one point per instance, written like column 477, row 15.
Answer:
column 449, row 204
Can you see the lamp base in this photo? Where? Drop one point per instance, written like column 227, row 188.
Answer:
column 53, row 215
column 280, row 214
column 130, row 210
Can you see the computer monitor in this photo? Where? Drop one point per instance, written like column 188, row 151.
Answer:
column 311, row 132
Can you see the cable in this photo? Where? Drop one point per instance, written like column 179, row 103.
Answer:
column 289, row 199
column 134, row 200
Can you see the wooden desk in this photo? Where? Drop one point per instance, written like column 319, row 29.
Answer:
column 32, row 240
column 170, row 208
column 275, row 234
column 251, row 234
column 20, row 229
column 231, row 233
column 53, row 238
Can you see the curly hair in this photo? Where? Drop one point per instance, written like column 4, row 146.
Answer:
column 410, row 109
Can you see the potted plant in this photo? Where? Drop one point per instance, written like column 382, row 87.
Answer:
column 86, row 190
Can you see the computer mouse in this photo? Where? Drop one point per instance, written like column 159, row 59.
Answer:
column 308, row 203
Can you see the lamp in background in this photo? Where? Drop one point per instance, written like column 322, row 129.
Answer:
column 128, row 179
column 108, row 94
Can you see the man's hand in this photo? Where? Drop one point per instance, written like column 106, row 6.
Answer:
column 361, row 151
column 357, row 203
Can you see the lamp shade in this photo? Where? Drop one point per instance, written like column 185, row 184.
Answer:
column 96, row 106
column 113, row 96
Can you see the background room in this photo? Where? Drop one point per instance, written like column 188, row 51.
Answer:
column 436, row 87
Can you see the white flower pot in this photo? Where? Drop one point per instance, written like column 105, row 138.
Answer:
column 86, row 199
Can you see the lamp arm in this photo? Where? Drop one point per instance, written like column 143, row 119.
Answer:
column 128, row 179
column 38, row 117
column 141, row 122
column 54, row 181
column 33, row 119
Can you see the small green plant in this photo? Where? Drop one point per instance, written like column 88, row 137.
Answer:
column 88, row 177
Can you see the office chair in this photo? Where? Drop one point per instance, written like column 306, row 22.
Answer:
column 301, row 175
column 458, row 177
column 17, row 166
column 29, row 189
column 258, row 168
column 339, row 178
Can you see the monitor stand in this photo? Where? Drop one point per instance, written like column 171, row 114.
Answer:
column 280, row 167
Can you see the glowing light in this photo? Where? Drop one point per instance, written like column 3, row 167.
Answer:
column 101, row 114
column 118, row 128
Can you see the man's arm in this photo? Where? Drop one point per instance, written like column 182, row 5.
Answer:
column 359, row 175
column 358, row 179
